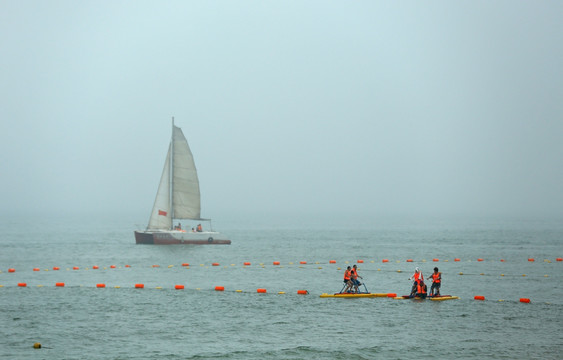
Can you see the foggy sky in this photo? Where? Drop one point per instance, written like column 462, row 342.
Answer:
column 294, row 107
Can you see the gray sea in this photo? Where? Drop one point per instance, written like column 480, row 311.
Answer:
column 81, row 321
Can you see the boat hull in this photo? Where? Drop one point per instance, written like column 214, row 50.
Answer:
column 180, row 238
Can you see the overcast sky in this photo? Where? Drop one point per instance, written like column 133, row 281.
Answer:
column 296, row 107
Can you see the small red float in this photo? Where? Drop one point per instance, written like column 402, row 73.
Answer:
column 11, row 270
column 531, row 259
column 525, row 300
column 332, row 262
column 185, row 264
column 22, row 284
column 276, row 262
column 385, row 260
column 179, row 287
column 219, row 288
column 60, row 284
column 391, row 295
column 456, row 259
column 215, row 264
column 139, row 286
column 360, row 261
column 303, row 262
column 246, row 263
column 56, row 268
column 261, row 290
column 100, row 285
column 409, row 260
column 302, row 292
column 479, row 297
column 435, row 260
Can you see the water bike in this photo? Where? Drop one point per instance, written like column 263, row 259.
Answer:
column 360, row 294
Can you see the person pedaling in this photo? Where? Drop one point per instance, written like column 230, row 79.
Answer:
column 355, row 277
column 348, row 280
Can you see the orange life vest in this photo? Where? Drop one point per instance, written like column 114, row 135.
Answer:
column 418, row 276
column 420, row 288
column 354, row 274
column 436, row 277
column 199, row 228
column 347, row 275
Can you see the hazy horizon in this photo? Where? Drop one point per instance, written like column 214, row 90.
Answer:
column 319, row 108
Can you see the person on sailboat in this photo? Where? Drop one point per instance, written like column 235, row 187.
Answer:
column 199, row 228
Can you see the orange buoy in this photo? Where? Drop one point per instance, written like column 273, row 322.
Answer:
column 501, row 260
column 409, row 260
column 360, row 261
column 332, row 262
column 36, row 269
column 11, row 270
column 303, row 262
column 75, row 268
column 385, row 260
column 391, row 295
column 156, row 266
column 479, row 297
column 139, row 286
column 456, row 259
column 127, row 266
column 60, row 284
column 479, row 259
column 246, row 263
column 179, row 287
column 215, row 264
column 302, row 292
column 22, row 284
column 112, row 267
column 276, row 262
column 531, row 259
column 219, row 288
column 261, row 290
column 95, row 267
column 525, row 300
column 559, row 259
column 185, row 264
column 100, row 285
column 56, row 268
column 435, row 260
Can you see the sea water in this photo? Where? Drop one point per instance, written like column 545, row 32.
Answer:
column 81, row 321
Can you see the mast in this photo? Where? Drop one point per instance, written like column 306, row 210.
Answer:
column 172, row 176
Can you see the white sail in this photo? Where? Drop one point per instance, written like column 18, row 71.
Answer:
column 161, row 216
column 185, row 184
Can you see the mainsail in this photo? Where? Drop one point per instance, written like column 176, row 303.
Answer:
column 178, row 193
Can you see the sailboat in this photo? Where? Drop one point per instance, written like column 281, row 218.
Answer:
column 178, row 198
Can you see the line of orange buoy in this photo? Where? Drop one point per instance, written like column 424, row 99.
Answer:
column 277, row 263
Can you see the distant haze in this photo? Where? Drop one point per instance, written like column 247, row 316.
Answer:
column 297, row 107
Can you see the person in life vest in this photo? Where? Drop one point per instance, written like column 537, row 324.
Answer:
column 421, row 290
column 355, row 277
column 418, row 278
column 199, row 228
column 436, row 282
column 348, row 279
